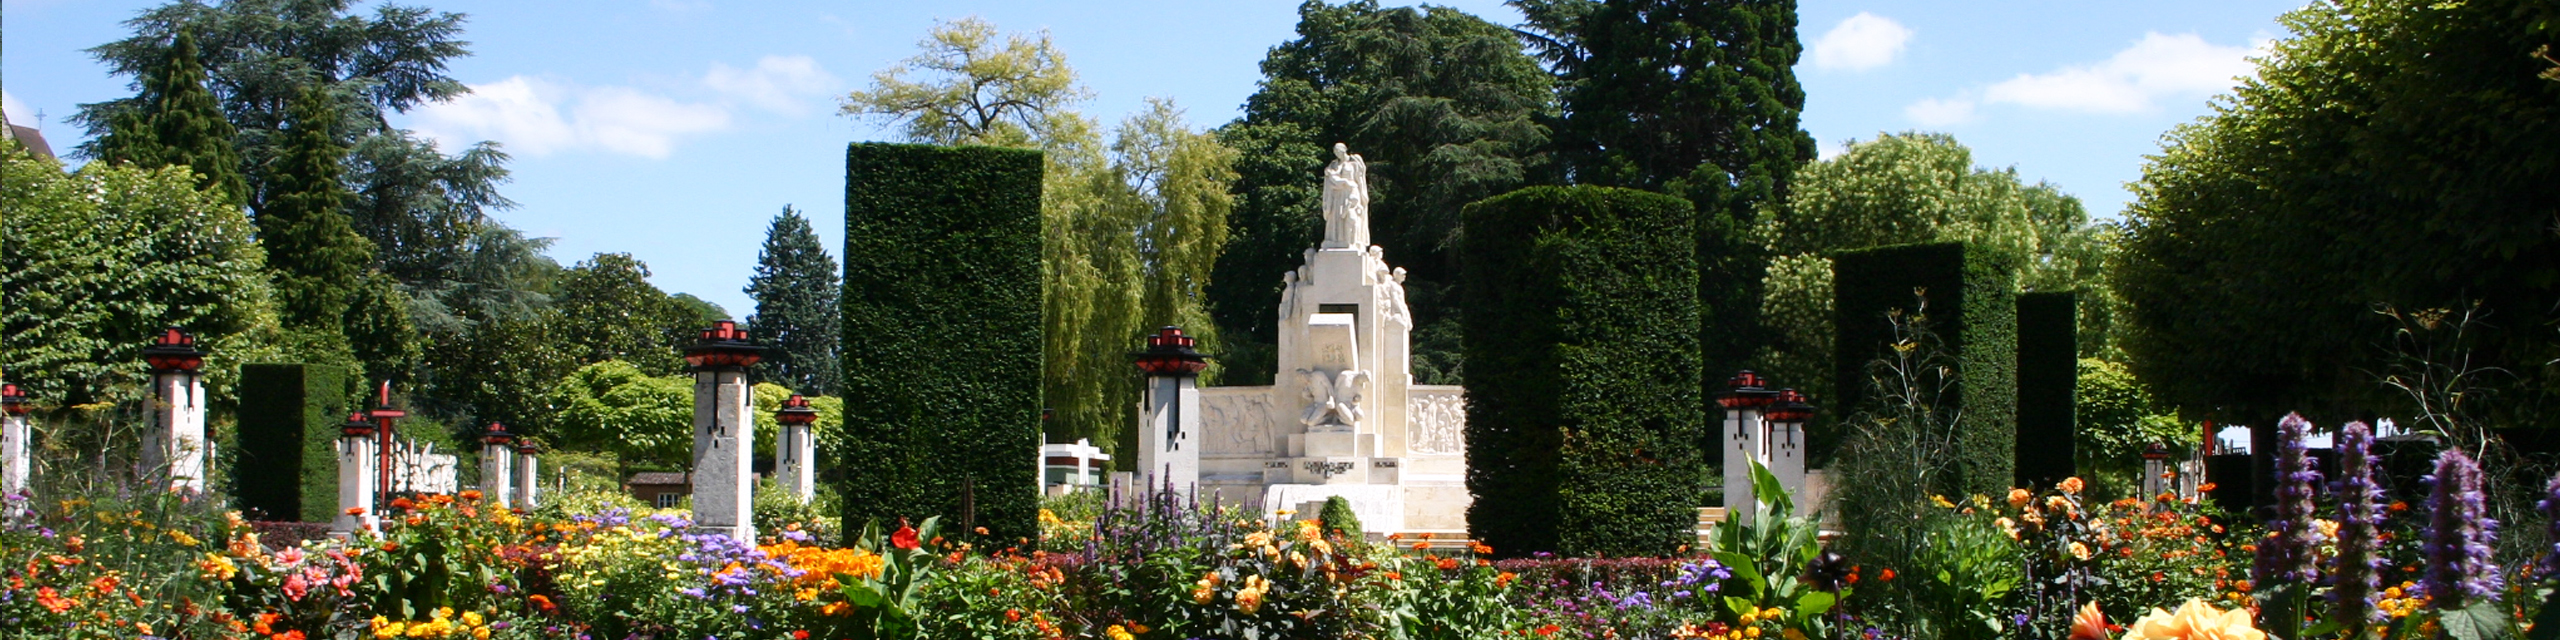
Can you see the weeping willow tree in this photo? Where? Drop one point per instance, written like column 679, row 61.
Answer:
column 1129, row 229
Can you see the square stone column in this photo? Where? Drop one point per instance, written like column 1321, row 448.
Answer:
column 1745, row 441
column 497, row 466
column 724, row 431
column 14, row 446
column 528, row 482
column 1169, row 416
column 356, row 476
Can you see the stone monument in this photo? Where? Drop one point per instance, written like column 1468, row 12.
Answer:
column 173, row 449
column 724, row 431
column 1343, row 416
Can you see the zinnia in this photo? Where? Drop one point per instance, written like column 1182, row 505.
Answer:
column 2089, row 624
column 2194, row 620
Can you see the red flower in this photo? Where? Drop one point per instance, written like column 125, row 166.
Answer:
column 1887, row 576
column 801, row 634
column 905, row 538
column 1549, row 630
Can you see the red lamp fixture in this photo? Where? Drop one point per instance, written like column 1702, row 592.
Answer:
column 356, row 427
column 1748, row 390
column 796, row 412
column 173, row 352
column 12, row 400
column 723, row 347
column 1789, row 408
column 1169, row 353
column 527, row 447
column 2155, row 452
column 497, row 435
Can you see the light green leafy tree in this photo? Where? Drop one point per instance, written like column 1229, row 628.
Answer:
column 1915, row 187
column 825, row 432
column 1129, row 231
column 615, row 406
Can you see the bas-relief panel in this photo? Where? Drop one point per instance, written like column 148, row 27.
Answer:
column 1436, row 421
column 1236, row 423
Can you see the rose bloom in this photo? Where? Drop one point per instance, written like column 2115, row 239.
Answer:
column 2195, row 620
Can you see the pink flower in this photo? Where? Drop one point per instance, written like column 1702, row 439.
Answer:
column 295, row 587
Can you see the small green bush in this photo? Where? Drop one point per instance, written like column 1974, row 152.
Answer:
column 1338, row 519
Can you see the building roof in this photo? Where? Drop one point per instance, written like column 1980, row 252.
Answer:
column 31, row 137
column 657, row 478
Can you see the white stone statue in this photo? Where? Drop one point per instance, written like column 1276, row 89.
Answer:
column 1346, row 200
column 1392, row 284
column 1333, row 398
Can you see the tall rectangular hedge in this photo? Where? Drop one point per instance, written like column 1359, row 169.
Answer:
column 1581, row 339
column 289, row 419
column 2048, row 378
column 941, row 349
column 1972, row 309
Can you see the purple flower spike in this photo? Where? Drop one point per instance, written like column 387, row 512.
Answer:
column 2549, row 566
column 2460, row 536
column 2286, row 554
column 2355, row 572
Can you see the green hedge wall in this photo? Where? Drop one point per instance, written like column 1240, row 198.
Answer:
column 1973, row 302
column 287, row 465
column 2048, row 383
column 1581, row 340
column 941, row 349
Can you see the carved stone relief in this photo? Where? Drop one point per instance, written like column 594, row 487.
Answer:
column 1436, row 422
column 1242, row 420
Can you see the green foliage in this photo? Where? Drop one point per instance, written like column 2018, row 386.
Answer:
column 1967, row 298
column 286, row 464
column 1964, row 574
column 1442, row 104
column 2048, row 375
column 825, row 433
column 797, row 318
column 1337, row 519
column 317, row 257
column 99, row 261
column 1694, row 99
column 176, row 121
column 1906, row 188
column 609, row 311
column 1583, row 407
column 977, row 92
column 2395, row 152
column 1770, row 556
column 497, row 368
column 614, row 406
column 2118, row 418
column 942, row 335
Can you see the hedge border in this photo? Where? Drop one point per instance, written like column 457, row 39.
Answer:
column 2048, row 386
column 1979, row 286
column 287, row 463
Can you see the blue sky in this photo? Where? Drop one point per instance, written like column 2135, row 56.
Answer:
column 675, row 129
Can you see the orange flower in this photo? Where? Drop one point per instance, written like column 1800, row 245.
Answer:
column 1886, row 576
column 471, row 494
column 1446, row 564
column 403, row 502
column 355, row 511
column 1504, row 580
column 54, row 602
column 1482, row 549
column 2089, row 624
column 2071, row 485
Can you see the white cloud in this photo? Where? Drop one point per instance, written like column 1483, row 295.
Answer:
column 2158, row 66
column 1864, row 41
column 16, row 111
column 1933, row 112
column 777, row 83
column 527, row 115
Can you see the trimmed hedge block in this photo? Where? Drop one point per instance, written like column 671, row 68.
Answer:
column 941, row 349
column 2048, row 383
column 1581, row 340
column 287, row 466
column 1972, row 308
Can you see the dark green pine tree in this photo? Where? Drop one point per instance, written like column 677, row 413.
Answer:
column 1696, row 98
column 319, row 261
column 178, row 122
column 795, row 289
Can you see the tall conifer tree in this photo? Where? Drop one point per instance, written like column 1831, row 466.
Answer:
column 795, row 289
column 178, row 123
column 318, row 259
column 1696, row 98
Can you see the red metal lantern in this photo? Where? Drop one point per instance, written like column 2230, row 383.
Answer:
column 723, row 347
column 2155, row 452
column 527, row 447
column 356, row 427
column 1748, row 391
column 173, row 352
column 497, row 435
column 796, row 412
column 1171, row 354
column 12, row 400
column 1789, row 408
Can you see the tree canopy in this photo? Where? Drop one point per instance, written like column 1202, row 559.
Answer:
column 615, row 406
column 795, row 287
column 2391, row 155
column 609, row 311
column 176, row 121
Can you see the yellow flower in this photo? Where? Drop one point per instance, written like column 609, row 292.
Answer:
column 1118, row 632
column 2007, row 526
column 183, row 539
column 1792, row 634
column 472, row 618
column 2195, row 620
column 218, row 567
column 2078, row 550
column 392, row 630
column 1942, row 502
column 1751, row 632
column 1750, row 618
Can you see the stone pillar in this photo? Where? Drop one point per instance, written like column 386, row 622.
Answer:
column 1786, row 443
column 356, row 460
column 1744, row 440
column 527, row 480
column 497, row 466
column 2155, row 464
column 1169, row 416
column 173, row 449
column 794, row 455
column 14, row 459
column 724, row 431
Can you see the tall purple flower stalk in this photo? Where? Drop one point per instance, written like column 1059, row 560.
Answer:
column 2354, row 573
column 2549, row 565
column 2460, row 535
column 2286, row 555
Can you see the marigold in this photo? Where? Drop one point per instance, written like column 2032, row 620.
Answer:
column 2071, row 485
